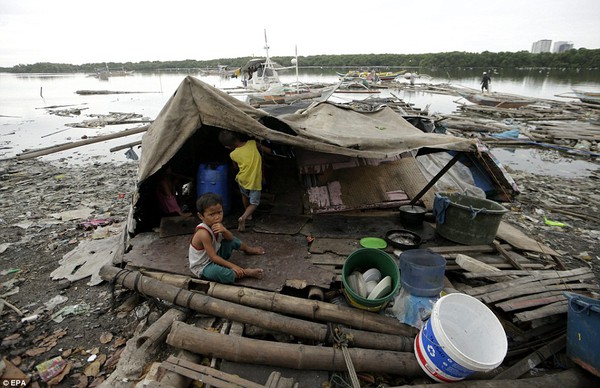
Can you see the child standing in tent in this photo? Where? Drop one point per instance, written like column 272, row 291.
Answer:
column 212, row 245
column 247, row 159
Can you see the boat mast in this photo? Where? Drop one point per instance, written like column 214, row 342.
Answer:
column 296, row 64
column 268, row 60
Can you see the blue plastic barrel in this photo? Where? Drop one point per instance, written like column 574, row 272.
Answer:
column 214, row 178
column 583, row 338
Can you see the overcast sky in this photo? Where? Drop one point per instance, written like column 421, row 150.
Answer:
column 80, row 31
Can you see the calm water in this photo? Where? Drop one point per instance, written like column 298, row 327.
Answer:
column 25, row 123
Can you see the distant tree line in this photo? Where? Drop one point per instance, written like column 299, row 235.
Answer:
column 573, row 59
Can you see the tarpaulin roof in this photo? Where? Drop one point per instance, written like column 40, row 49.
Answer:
column 322, row 127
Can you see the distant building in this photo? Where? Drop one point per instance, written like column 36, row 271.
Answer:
column 561, row 46
column 541, row 46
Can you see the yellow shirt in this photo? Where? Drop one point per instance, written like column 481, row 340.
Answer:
column 249, row 162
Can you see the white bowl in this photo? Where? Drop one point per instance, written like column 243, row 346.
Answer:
column 372, row 274
column 362, row 285
column 352, row 281
column 382, row 288
column 357, row 284
column 370, row 286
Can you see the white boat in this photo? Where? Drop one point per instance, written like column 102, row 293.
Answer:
column 260, row 74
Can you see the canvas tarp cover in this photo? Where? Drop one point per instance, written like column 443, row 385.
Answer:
column 323, row 128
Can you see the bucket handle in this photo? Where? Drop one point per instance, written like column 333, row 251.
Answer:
column 579, row 306
column 475, row 212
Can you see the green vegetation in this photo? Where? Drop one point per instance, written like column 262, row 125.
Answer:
column 572, row 59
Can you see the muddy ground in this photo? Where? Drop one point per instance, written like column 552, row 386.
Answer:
column 32, row 242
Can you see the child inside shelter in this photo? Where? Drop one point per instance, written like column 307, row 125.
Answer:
column 246, row 158
column 212, row 245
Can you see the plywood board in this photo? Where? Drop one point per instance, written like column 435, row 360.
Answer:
column 520, row 240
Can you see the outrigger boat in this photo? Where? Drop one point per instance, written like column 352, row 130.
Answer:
column 587, row 97
column 371, row 76
column 497, row 100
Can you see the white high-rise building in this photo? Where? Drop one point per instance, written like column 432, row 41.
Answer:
column 541, row 46
column 561, row 46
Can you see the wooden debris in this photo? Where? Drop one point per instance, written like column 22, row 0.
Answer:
column 62, row 147
column 294, row 356
column 139, row 349
column 206, row 374
column 533, row 360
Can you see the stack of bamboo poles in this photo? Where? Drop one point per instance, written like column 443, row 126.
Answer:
column 376, row 343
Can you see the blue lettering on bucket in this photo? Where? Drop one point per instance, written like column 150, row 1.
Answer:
column 446, row 365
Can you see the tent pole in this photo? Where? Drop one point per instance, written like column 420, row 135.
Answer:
column 436, row 178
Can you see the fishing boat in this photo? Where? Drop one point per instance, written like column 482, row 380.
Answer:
column 260, row 74
column 371, row 75
column 287, row 94
column 588, row 97
column 497, row 100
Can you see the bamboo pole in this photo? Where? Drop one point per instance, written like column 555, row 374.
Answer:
column 124, row 146
column 266, row 319
column 240, row 349
column 46, row 151
column 312, row 309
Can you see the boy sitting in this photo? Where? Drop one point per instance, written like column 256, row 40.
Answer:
column 212, row 244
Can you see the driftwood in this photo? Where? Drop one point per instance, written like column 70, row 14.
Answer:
column 139, row 349
column 240, row 349
column 265, row 319
column 36, row 153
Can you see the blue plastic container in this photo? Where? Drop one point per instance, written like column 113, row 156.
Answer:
column 422, row 272
column 214, row 178
column 583, row 337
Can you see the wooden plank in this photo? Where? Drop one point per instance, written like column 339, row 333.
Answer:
column 564, row 275
column 206, row 374
column 327, row 259
column 535, row 300
column 466, row 249
column 491, row 274
column 533, row 359
column 519, row 240
column 546, row 311
column 507, row 255
column 529, row 289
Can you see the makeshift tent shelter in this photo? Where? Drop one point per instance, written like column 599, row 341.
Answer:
column 184, row 134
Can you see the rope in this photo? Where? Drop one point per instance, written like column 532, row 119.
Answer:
column 341, row 341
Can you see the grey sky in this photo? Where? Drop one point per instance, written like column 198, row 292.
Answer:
column 76, row 31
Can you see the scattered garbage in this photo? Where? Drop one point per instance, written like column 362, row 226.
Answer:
column 76, row 309
column 51, row 368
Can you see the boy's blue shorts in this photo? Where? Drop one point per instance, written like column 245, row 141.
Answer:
column 252, row 195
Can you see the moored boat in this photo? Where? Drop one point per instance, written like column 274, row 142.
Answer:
column 588, row 97
column 497, row 100
column 371, row 75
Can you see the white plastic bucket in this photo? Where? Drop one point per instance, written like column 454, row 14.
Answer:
column 462, row 336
